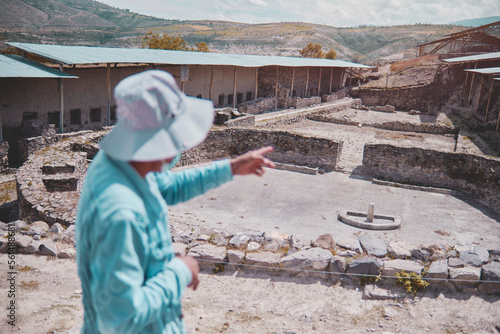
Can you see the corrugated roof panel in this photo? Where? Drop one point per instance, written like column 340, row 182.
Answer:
column 484, row 56
column 14, row 66
column 489, row 70
column 99, row 55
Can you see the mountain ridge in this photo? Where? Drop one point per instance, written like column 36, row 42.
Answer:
column 88, row 22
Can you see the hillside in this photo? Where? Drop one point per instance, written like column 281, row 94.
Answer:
column 87, row 22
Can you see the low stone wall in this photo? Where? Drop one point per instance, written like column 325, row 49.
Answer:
column 258, row 106
column 4, row 155
column 352, row 260
column 243, row 121
column 289, row 148
column 48, row 184
column 299, row 102
column 471, row 174
column 394, row 126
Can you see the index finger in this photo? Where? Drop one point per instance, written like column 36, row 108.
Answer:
column 264, row 150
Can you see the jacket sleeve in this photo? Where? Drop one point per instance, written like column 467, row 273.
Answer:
column 181, row 186
column 125, row 300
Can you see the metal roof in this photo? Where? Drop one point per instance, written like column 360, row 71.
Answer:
column 98, row 55
column 489, row 70
column 14, row 66
column 484, row 56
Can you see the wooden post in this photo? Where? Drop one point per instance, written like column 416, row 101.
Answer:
column 319, row 81
column 471, row 85
column 234, row 86
column 211, row 83
column 498, row 121
column 256, row 82
column 1, row 124
column 61, row 101
column 331, row 80
column 108, row 77
column 489, row 98
column 293, row 79
column 307, row 82
column 467, row 73
column 276, row 89
column 479, row 94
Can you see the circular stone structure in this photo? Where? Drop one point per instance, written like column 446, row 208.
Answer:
column 359, row 219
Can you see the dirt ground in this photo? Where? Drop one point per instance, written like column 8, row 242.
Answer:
column 48, row 300
column 48, row 292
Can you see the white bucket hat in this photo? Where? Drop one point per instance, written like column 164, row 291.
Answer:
column 156, row 120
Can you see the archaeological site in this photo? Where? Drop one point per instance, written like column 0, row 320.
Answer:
column 387, row 178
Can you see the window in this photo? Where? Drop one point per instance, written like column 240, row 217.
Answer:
column 75, row 116
column 30, row 115
column 249, row 96
column 239, row 98
column 230, row 99
column 53, row 118
column 113, row 114
column 95, row 115
column 221, row 100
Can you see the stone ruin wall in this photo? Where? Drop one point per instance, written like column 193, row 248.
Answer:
column 4, row 155
column 474, row 175
column 427, row 99
column 49, row 183
column 289, row 148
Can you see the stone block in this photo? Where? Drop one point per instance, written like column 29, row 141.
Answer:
column 33, row 247
column 420, row 254
column 490, row 272
column 338, row 264
column 477, row 256
column 48, row 247
column 23, row 241
column 56, row 228
column 281, row 238
column 299, row 242
column 467, row 276
column 374, row 292
column 253, row 246
column 209, row 256
column 391, row 267
column 400, row 249
column 364, row 266
column 314, row 259
column 373, row 245
column 325, row 241
column 235, row 256
column 438, row 269
column 239, row 240
column 263, row 259
column 68, row 253
column 43, row 226
column 456, row 262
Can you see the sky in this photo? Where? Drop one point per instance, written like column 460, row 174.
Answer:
column 337, row 13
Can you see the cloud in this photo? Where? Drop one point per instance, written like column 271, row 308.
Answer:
column 261, row 3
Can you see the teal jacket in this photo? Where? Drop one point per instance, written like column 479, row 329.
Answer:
column 131, row 280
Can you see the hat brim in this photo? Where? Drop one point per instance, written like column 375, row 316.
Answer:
column 187, row 131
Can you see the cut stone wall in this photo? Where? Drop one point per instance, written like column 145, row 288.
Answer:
column 297, row 102
column 425, row 98
column 478, row 176
column 289, row 148
column 48, row 183
column 254, row 107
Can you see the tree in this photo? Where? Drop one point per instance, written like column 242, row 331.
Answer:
column 202, row 47
column 332, row 54
column 312, row 50
column 168, row 42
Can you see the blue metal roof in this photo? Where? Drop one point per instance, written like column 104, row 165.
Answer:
column 489, row 70
column 484, row 56
column 98, row 55
column 14, row 66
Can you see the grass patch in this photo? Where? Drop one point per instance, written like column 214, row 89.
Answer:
column 26, row 269
column 413, row 283
column 29, row 285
